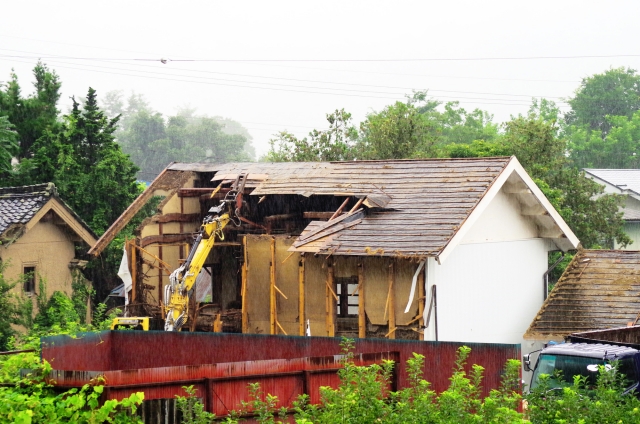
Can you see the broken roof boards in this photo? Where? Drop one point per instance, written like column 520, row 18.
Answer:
column 413, row 208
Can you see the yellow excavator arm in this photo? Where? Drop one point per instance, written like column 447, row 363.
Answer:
column 182, row 280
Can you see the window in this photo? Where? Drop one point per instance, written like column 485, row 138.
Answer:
column 30, row 279
column 347, row 296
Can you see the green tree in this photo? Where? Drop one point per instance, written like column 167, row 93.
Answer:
column 616, row 92
column 592, row 216
column 620, row 148
column 92, row 174
column 35, row 114
column 399, row 131
column 335, row 143
column 8, row 145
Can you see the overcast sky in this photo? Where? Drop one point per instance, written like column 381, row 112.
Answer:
column 275, row 65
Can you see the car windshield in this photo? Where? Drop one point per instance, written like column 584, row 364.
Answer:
column 571, row 366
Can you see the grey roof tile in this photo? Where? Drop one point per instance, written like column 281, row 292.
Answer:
column 19, row 204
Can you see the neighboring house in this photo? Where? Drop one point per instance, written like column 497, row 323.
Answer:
column 599, row 290
column 624, row 182
column 437, row 249
column 40, row 236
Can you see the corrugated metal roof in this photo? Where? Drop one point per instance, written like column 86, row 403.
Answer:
column 600, row 289
column 624, row 179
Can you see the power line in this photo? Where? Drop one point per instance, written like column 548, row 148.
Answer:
column 490, row 100
column 305, row 80
column 452, row 59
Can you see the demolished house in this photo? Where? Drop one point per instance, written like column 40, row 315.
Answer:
column 599, row 290
column 40, row 236
column 436, row 249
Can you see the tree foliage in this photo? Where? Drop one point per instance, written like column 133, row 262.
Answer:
column 398, row 131
column 338, row 142
column 616, row 92
column 33, row 115
column 8, row 146
column 92, row 174
column 153, row 141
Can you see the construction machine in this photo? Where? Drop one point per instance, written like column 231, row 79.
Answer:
column 183, row 279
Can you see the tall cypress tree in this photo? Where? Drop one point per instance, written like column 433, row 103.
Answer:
column 92, row 174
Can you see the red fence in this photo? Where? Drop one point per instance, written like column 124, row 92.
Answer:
column 221, row 365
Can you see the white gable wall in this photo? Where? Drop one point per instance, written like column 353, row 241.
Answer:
column 501, row 221
column 490, row 286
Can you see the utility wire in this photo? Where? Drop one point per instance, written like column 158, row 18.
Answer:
column 453, row 59
column 398, row 95
column 299, row 80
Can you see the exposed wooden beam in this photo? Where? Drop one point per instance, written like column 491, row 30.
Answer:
column 301, row 311
column 392, row 301
column 243, row 290
column 176, row 217
column 166, row 239
column 421, row 300
column 198, row 191
column 272, row 289
column 362, row 318
column 317, row 215
column 330, row 300
column 280, row 217
column 342, row 206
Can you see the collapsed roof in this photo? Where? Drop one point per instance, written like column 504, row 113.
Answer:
column 412, row 208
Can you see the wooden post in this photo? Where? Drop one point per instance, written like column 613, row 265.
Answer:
column 392, row 301
column 245, row 267
column 301, row 315
column 330, row 300
column 362, row 318
column 272, row 289
column 134, row 271
column 421, row 300
column 217, row 324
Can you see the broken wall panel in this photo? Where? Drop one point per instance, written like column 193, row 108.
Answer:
column 376, row 273
column 287, row 282
column 404, row 276
column 315, row 283
column 258, row 282
column 376, row 276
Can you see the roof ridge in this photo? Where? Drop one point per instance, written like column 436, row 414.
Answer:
column 47, row 189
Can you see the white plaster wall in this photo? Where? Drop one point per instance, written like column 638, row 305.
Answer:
column 501, row 221
column 633, row 231
column 488, row 292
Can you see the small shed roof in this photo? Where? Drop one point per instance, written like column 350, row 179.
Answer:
column 600, row 289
